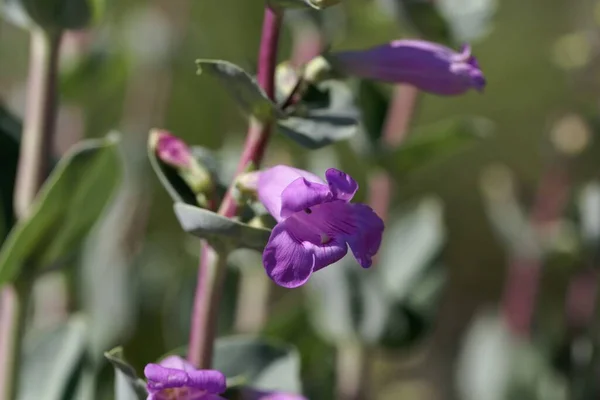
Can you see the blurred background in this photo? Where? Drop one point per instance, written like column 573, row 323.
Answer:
column 506, row 229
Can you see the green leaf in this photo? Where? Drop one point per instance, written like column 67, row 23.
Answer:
column 426, row 19
column 49, row 361
column 52, row 15
column 10, row 132
column 242, row 87
column 219, row 229
column 66, row 208
column 259, row 363
column 374, row 106
column 128, row 386
column 316, row 4
column 429, row 144
column 327, row 114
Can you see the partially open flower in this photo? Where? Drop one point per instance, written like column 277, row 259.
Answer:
column 316, row 223
column 176, row 379
column 428, row 66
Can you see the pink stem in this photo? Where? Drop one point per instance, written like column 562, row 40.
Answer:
column 212, row 267
column 523, row 279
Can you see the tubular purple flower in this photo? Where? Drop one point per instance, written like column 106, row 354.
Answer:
column 175, row 378
column 428, row 66
column 316, row 223
column 172, row 151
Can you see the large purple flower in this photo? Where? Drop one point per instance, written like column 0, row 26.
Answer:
column 176, row 379
column 316, row 223
column 428, row 66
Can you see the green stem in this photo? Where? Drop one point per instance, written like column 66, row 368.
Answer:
column 36, row 147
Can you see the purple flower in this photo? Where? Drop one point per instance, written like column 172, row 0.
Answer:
column 176, row 379
column 316, row 223
column 171, row 150
column 429, row 66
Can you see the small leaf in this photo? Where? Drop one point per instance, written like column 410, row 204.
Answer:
column 10, row 132
column 66, row 208
column 242, row 87
column 217, row 228
column 49, row 361
column 327, row 114
column 259, row 363
column 127, row 384
column 410, row 244
column 429, row 144
column 316, row 4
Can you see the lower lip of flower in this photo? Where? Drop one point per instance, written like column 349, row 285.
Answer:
column 183, row 393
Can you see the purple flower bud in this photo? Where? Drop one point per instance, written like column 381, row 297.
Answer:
column 316, row 223
column 428, row 66
column 171, row 150
column 175, row 378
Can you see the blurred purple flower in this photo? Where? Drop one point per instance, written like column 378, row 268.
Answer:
column 253, row 394
column 172, row 151
column 316, row 223
column 175, row 378
column 428, row 66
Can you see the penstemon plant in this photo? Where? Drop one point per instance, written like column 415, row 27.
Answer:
column 303, row 223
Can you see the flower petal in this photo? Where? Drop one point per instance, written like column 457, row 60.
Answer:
column 176, row 362
column 273, row 181
column 342, row 185
column 287, row 262
column 302, row 194
column 366, row 239
column 327, row 254
column 160, row 377
column 210, row 380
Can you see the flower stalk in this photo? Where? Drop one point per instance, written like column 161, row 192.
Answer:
column 34, row 161
column 212, row 266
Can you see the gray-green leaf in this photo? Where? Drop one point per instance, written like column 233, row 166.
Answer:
column 242, row 87
column 219, row 229
column 50, row 361
column 66, row 208
column 128, row 386
column 259, row 363
column 326, row 115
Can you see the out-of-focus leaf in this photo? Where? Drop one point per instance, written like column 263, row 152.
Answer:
column 53, row 15
column 259, row 363
column 469, row 20
column 374, row 106
column 410, row 244
column 429, row 144
column 589, row 213
column 426, row 19
column 316, row 4
column 66, row 208
column 242, row 87
column 50, row 360
column 219, row 229
column 10, row 132
column 326, row 114
column 127, row 384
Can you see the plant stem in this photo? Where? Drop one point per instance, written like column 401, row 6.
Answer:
column 36, row 147
column 212, row 266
